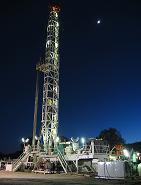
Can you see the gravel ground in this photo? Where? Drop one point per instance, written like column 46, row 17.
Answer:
column 19, row 178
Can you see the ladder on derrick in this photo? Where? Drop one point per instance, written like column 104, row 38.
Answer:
column 63, row 162
column 20, row 160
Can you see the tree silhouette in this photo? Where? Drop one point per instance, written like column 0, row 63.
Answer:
column 112, row 136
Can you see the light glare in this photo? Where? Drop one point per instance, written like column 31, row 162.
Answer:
column 126, row 153
column 83, row 140
column 57, row 139
column 27, row 140
column 23, row 140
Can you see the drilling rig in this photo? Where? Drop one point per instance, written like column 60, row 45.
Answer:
column 50, row 69
column 48, row 148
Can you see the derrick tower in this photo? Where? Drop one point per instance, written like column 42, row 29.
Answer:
column 50, row 69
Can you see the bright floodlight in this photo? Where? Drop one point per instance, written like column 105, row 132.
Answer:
column 138, row 154
column 23, row 140
column 27, row 140
column 57, row 139
column 126, row 153
column 83, row 140
column 36, row 137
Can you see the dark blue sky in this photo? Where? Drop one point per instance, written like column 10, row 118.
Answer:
column 100, row 67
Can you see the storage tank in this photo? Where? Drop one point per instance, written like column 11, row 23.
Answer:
column 114, row 169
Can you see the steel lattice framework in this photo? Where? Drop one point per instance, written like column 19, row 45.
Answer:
column 50, row 68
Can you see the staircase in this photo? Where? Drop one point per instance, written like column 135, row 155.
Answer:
column 20, row 161
column 89, row 169
column 63, row 162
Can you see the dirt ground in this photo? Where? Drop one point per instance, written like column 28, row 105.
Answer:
column 19, row 178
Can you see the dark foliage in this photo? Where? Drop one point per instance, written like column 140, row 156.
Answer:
column 111, row 135
column 14, row 155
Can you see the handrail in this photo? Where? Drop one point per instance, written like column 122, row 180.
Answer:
column 20, row 159
column 63, row 161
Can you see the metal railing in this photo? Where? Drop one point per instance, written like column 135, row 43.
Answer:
column 98, row 149
column 20, row 160
column 63, row 162
column 101, row 149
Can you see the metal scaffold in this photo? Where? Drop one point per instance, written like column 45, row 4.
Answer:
column 50, row 69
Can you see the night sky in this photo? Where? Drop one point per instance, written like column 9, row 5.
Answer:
column 100, row 67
